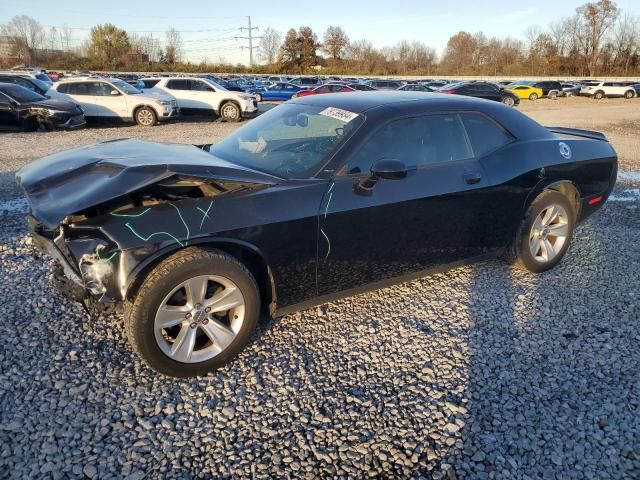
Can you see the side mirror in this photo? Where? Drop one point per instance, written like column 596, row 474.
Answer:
column 389, row 169
column 115, row 93
column 386, row 168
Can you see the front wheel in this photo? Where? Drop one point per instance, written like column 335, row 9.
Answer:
column 545, row 232
column 146, row 117
column 629, row 94
column 258, row 97
column 193, row 313
column 230, row 112
column 508, row 101
column 599, row 95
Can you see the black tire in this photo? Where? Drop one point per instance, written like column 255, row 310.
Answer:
column 599, row 95
column 510, row 102
column 146, row 117
column 139, row 314
column 629, row 94
column 230, row 112
column 258, row 97
column 520, row 253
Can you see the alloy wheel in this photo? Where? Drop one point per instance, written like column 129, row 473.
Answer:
column 508, row 101
column 199, row 318
column 230, row 111
column 549, row 233
column 145, row 117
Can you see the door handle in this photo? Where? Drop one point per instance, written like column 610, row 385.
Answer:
column 472, row 178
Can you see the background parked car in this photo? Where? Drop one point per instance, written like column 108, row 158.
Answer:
column 361, row 87
column 326, row 88
column 600, row 90
column 306, row 81
column 570, row 89
column 384, row 84
column 486, row 90
column 24, row 109
column 113, row 99
column 204, row 96
column 26, row 81
column 550, row 88
column 277, row 92
column 526, row 92
column 415, row 87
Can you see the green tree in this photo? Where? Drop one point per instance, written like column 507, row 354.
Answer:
column 108, row 44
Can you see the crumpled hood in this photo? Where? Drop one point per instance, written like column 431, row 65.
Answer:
column 56, row 104
column 74, row 180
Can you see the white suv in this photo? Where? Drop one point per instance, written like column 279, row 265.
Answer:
column 202, row 95
column 600, row 90
column 110, row 98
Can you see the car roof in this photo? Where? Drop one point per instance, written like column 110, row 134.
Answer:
column 360, row 102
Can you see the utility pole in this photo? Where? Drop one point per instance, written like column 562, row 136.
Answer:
column 250, row 37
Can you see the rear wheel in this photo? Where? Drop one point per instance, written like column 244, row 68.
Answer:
column 193, row 313
column 553, row 95
column 533, row 97
column 599, row 95
column 146, row 117
column 230, row 112
column 258, row 97
column 545, row 232
column 508, row 101
column 629, row 94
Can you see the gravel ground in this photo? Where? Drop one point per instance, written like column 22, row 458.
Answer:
column 480, row 372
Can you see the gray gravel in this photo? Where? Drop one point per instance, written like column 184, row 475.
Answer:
column 481, row 372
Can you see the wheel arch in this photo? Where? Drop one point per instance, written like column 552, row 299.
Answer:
column 142, row 105
column 246, row 253
column 229, row 100
column 566, row 187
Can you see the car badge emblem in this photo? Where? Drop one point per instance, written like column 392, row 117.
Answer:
column 565, row 150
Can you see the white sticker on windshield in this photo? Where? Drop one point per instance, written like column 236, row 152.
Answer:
column 344, row 115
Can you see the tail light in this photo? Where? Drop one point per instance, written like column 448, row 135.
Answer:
column 449, row 91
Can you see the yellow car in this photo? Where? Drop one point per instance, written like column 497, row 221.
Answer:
column 526, row 91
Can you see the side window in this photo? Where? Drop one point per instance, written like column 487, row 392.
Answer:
column 24, row 83
column 80, row 88
column 200, row 86
column 415, row 141
column 63, row 88
column 608, row 84
column 4, row 100
column 484, row 135
column 325, row 89
column 101, row 89
column 178, row 84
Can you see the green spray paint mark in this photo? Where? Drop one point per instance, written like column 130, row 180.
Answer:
column 328, row 202
column 146, row 239
column 111, row 256
column 186, row 242
column 541, row 174
column 328, row 244
column 205, row 214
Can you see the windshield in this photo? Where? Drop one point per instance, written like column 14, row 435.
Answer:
column 290, row 141
column 22, row 95
column 124, row 86
column 215, row 84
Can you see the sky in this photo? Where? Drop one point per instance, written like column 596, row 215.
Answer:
column 209, row 27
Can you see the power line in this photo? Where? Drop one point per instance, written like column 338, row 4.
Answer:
column 250, row 37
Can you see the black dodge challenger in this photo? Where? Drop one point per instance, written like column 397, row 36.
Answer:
column 321, row 197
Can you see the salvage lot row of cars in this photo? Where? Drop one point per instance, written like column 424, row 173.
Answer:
column 29, row 102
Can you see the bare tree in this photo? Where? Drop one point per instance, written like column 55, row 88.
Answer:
column 270, row 45
column 173, row 46
column 335, row 43
column 66, row 36
column 627, row 41
column 26, row 36
column 596, row 19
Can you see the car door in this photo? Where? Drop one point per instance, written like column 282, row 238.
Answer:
column 181, row 89
column 203, row 96
column 80, row 93
column 9, row 117
column 430, row 218
column 109, row 105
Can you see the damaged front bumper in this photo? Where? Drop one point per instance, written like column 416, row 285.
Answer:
column 91, row 276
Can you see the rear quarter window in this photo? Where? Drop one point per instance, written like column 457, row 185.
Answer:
column 484, row 134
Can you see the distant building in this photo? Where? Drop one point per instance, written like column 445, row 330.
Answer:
column 134, row 58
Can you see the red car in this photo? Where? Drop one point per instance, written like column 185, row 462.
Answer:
column 326, row 88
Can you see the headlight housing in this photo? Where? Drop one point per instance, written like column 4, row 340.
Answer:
column 164, row 102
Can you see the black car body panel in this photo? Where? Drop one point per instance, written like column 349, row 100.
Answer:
column 313, row 238
column 484, row 90
column 42, row 112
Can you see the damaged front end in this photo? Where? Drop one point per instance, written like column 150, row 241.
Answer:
column 100, row 212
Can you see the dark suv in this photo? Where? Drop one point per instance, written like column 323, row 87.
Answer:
column 549, row 88
column 32, row 84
